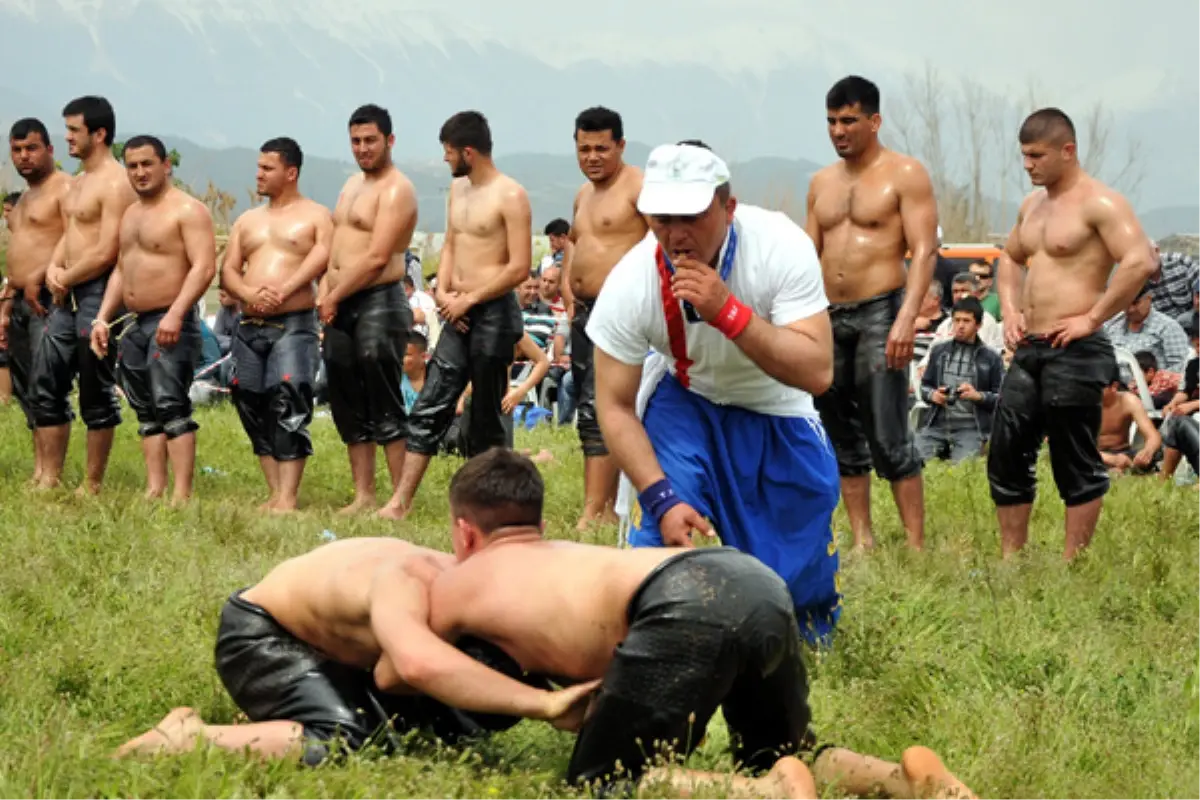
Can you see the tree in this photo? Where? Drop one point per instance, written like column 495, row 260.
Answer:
column 220, row 204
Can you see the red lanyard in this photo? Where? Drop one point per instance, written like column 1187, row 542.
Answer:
column 675, row 328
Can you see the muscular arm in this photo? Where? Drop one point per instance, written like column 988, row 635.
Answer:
column 616, row 410
column 112, row 295
column 918, row 216
column 1009, row 269
column 565, row 279
column 445, row 270
column 395, row 221
column 1122, row 234
column 200, row 244
column 317, row 260
column 231, row 266
column 519, row 227
column 93, row 262
column 811, row 226
column 799, row 354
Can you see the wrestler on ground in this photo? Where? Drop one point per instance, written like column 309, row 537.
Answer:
column 284, row 249
column 729, row 433
column 77, row 276
column 168, row 260
column 606, row 226
column 864, row 213
column 362, row 303
column 486, row 255
column 336, row 642
column 673, row 633
column 1067, row 237
column 35, row 227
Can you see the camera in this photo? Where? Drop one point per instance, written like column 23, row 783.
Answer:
column 951, row 396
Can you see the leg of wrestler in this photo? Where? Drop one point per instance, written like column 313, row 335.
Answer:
column 920, row 773
column 445, row 381
column 54, row 365
column 171, row 371
column 98, row 403
column 381, row 337
column 348, row 405
column 1017, row 434
column 883, row 406
column 489, row 384
column 25, row 331
column 291, row 371
column 133, row 372
column 600, row 473
column 839, row 412
column 182, row 729
column 248, row 390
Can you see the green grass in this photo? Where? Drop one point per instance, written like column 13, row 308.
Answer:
column 1032, row 679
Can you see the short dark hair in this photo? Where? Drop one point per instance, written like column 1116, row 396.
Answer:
column 288, row 149
column 557, row 227
column 371, row 114
column 852, row 90
column 467, row 129
column 11, row 198
column 1049, row 125
column 97, row 113
column 971, row 305
column 965, row 277
column 1146, row 360
column 1147, row 289
column 419, row 340
column 408, row 281
column 498, row 489
column 160, row 149
column 597, row 119
column 24, row 128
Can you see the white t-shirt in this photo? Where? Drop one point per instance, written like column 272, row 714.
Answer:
column 426, row 303
column 776, row 272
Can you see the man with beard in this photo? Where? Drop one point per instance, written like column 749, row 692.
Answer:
column 284, row 249
column 363, row 306
column 36, row 227
column 77, row 277
column 167, row 261
column 486, row 255
column 607, row 225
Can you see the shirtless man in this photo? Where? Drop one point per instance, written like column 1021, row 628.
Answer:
column 864, row 214
column 673, row 633
column 486, row 255
column 1118, row 410
column 337, row 642
column 77, row 277
column 168, row 261
column 607, row 225
column 284, row 249
column 362, row 304
column 1067, row 237
column 35, row 228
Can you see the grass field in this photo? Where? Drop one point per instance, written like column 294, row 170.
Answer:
column 1032, row 679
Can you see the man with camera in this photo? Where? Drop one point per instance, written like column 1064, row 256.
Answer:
column 961, row 384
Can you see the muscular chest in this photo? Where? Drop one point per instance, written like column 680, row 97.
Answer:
column 151, row 235
column 37, row 212
column 475, row 215
column 290, row 236
column 82, row 203
column 864, row 204
column 357, row 208
column 604, row 214
column 1051, row 230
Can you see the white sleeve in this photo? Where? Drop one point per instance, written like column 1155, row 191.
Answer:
column 618, row 321
column 799, row 284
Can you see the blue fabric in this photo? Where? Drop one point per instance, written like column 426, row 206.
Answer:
column 210, row 352
column 768, row 484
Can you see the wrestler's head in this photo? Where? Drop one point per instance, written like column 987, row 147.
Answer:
column 31, row 151
column 852, row 113
column 279, row 162
column 371, row 138
column 147, row 166
column 466, row 140
column 496, row 494
column 1048, row 146
column 91, row 123
column 687, row 198
column 599, row 143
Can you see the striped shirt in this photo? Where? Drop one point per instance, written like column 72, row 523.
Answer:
column 1160, row 335
column 1173, row 294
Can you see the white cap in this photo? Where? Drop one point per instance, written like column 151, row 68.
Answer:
column 680, row 180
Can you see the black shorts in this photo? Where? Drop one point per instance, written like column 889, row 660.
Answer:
column 710, row 627
column 583, row 372
column 1056, row 393
column 156, row 380
column 25, row 331
column 865, row 411
column 364, row 362
column 272, row 675
column 481, row 357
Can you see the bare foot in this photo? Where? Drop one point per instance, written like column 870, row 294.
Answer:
column 267, row 504
column 393, row 511
column 45, row 484
column 357, row 506
column 544, row 456
column 865, row 544
column 153, row 494
column 180, row 502
column 175, row 733
column 928, row 776
column 789, row 778
column 282, row 508
column 87, row 489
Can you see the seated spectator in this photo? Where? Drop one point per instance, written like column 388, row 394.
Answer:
column 1174, row 291
column 1161, row 383
column 1140, row 327
column 425, row 312
column 413, row 379
column 1121, row 409
column 988, row 297
column 929, row 317
column 228, row 317
column 540, row 320
column 961, row 384
column 1181, row 429
column 990, row 332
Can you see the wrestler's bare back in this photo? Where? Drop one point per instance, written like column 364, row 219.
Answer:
column 276, row 241
column 1115, row 420
column 607, row 225
column 36, row 225
column 84, row 206
column 477, row 221
column 324, row 596
column 154, row 257
column 558, row 608
column 1067, row 261
column 854, row 220
column 354, row 221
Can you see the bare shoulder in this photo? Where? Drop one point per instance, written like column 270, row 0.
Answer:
column 188, row 208
column 1103, row 202
column 826, row 174
column 1031, row 201
column 316, row 212
column 510, row 189
column 352, row 183
column 909, row 170
column 632, row 178
column 58, row 184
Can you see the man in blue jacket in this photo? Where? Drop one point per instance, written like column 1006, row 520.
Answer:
column 961, row 385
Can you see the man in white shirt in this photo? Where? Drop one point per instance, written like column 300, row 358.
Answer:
column 425, row 314
column 736, row 307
